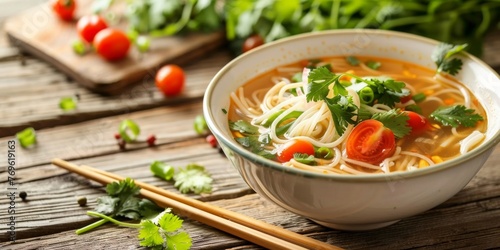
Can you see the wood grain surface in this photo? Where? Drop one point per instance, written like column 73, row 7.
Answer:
column 39, row 32
column 29, row 92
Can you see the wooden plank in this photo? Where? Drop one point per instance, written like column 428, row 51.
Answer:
column 39, row 32
column 29, row 94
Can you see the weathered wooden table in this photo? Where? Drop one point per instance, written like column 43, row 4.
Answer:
column 29, row 93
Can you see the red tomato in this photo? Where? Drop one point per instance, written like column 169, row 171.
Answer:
column 417, row 123
column 112, row 44
column 170, row 80
column 89, row 26
column 64, row 9
column 405, row 99
column 370, row 142
column 292, row 147
column 252, row 42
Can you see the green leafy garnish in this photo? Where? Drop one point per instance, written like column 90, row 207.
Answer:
column 343, row 110
column 352, row 60
column 67, row 103
column 394, row 120
column 373, row 65
column 122, row 200
column 163, row 233
column 162, row 170
column 193, row 178
column 243, row 127
column 442, row 56
column 456, row 115
column 305, row 158
column 320, row 80
column 26, row 137
column 324, row 153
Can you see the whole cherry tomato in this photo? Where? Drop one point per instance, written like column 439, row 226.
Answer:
column 252, row 42
column 370, row 142
column 170, row 80
column 292, row 147
column 112, row 44
column 64, row 9
column 89, row 26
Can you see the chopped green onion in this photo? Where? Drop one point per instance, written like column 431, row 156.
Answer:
column 142, row 43
column 366, row 95
column 419, row 97
column 162, row 170
column 324, row 153
column 224, row 111
column 352, row 60
column 67, row 103
column 79, row 47
column 373, row 65
column 270, row 120
column 26, row 137
column 200, row 125
column 129, row 130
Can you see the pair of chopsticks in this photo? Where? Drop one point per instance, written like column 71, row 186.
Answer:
column 245, row 227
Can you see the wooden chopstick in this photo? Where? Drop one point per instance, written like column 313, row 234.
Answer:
column 258, row 232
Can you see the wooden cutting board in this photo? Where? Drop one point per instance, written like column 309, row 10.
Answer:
column 39, row 32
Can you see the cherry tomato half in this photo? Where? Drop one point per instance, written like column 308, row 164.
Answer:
column 418, row 123
column 89, row 26
column 112, row 44
column 170, row 80
column 252, row 42
column 64, row 9
column 292, row 147
column 370, row 142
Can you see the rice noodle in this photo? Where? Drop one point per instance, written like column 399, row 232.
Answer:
column 468, row 142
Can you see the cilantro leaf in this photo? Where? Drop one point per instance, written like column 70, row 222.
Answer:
column 395, row 121
column 456, row 115
column 352, row 60
column 305, row 158
column 193, row 178
column 388, row 91
column 373, row 65
column 343, row 111
column 106, row 204
column 442, row 57
column 163, row 232
column 243, row 127
column 320, row 80
column 150, row 234
column 254, row 144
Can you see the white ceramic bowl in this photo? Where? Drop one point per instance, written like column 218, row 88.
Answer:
column 342, row 201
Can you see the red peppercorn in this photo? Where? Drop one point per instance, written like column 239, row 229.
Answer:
column 151, row 140
column 118, row 136
column 211, row 140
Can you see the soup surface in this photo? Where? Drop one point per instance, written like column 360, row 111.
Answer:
column 356, row 115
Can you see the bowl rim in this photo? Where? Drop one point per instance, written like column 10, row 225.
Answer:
column 216, row 130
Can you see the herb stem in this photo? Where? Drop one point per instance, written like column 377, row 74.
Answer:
column 91, row 226
column 119, row 223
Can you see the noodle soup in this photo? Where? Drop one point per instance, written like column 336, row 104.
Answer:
column 356, row 115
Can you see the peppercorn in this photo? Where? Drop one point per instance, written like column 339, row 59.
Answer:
column 23, row 195
column 82, row 201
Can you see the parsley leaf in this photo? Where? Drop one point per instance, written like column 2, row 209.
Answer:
column 163, row 232
column 343, row 111
column 456, row 115
column 395, row 121
column 442, row 57
column 193, row 178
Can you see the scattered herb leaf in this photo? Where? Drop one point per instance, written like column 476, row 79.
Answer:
column 243, row 127
column 442, row 56
column 352, row 60
column 193, row 178
column 373, row 65
column 305, row 158
column 394, row 120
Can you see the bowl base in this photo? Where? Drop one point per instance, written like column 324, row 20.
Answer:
column 355, row 227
